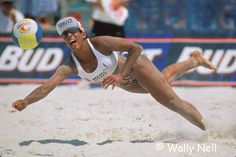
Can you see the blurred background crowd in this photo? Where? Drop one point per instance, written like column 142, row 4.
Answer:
column 145, row 18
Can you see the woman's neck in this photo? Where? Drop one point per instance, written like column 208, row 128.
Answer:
column 84, row 54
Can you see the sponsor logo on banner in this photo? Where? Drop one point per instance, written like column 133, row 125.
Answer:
column 224, row 60
column 41, row 60
column 40, row 63
column 48, row 59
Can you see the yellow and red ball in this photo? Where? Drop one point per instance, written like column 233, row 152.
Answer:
column 27, row 34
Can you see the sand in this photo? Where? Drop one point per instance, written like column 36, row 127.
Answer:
column 76, row 121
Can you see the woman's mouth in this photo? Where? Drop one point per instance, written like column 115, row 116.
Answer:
column 73, row 43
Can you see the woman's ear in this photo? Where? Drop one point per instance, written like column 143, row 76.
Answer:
column 84, row 35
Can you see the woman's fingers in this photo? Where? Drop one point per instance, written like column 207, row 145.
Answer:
column 110, row 80
column 113, row 80
column 114, row 84
column 107, row 81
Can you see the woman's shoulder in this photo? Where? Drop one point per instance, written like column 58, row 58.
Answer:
column 100, row 39
column 103, row 40
column 102, row 43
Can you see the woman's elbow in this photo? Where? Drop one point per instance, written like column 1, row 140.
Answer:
column 139, row 49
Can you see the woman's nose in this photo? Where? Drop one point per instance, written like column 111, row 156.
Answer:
column 69, row 34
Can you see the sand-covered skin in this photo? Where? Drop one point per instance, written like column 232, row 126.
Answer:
column 74, row 121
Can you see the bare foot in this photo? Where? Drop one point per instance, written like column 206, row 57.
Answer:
column 203, row 62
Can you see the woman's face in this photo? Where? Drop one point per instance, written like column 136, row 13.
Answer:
column 74, row 38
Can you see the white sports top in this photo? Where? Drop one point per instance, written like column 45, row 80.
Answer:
column 106, row 65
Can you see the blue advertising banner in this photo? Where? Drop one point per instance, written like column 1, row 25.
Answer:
column 37, row 65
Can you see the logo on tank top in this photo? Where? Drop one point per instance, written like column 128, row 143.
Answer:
column 99, row 76
column 104, row 65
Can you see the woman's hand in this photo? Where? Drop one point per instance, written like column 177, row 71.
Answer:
column 20, row 104
column 113, row 80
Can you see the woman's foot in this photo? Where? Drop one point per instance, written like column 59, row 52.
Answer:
column 202, row 61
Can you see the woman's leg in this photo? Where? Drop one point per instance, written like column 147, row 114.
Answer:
column 173, row 71
column 152, row 80
column 133, row 86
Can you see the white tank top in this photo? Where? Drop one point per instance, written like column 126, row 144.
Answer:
column 106, row 66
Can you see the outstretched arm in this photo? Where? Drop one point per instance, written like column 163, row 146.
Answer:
column 42, row 91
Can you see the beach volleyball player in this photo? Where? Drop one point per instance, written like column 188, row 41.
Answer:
column 95, row 60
